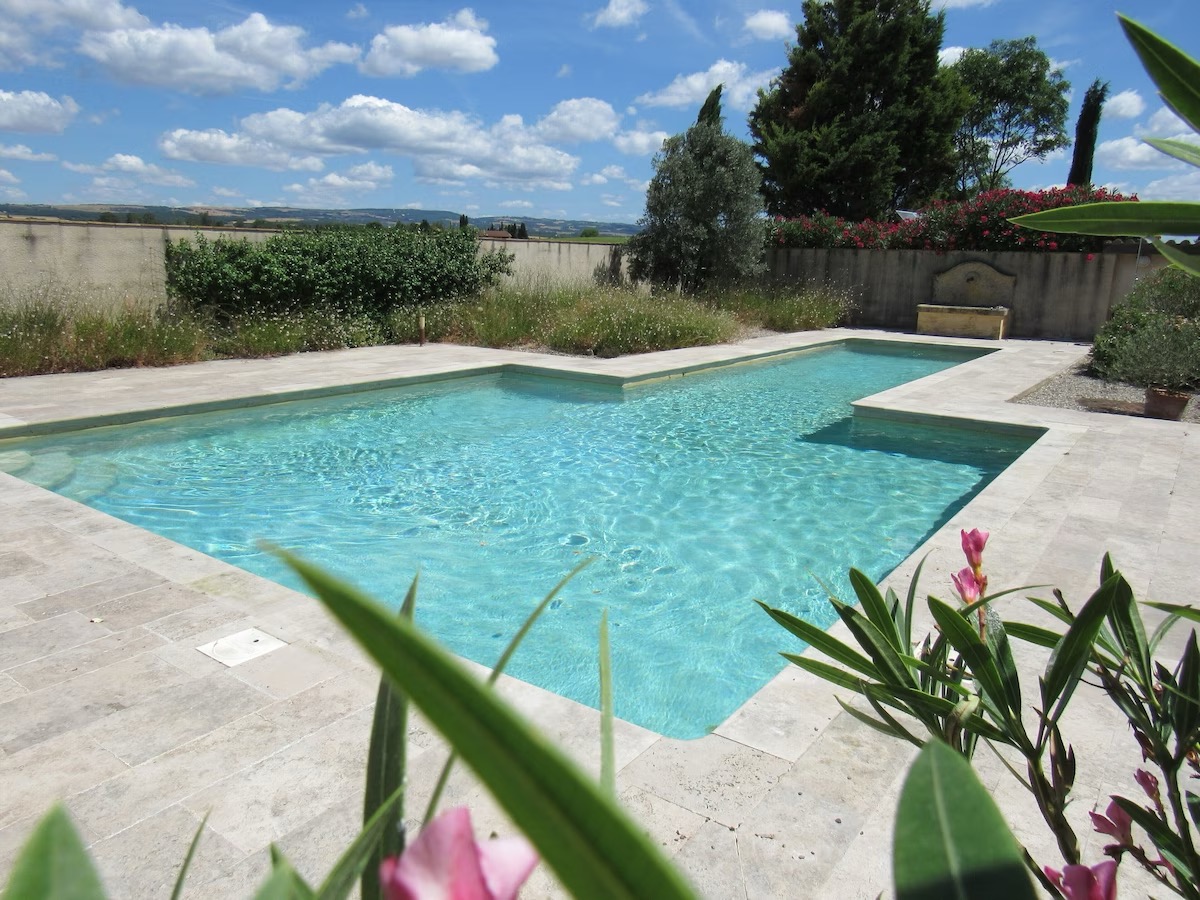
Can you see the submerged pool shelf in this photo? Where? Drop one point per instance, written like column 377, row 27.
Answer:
column 695, row 495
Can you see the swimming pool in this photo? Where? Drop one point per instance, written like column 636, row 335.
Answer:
column 694, row 495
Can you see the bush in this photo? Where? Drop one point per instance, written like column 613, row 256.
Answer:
column 1153, row 337
column 785, row 306
column 354, row 271
column 977, row 224
column 617, row 322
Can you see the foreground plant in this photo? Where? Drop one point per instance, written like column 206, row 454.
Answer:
column 960, row 682
column 1177, row 77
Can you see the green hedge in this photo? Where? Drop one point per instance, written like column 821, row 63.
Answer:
column 358, row 271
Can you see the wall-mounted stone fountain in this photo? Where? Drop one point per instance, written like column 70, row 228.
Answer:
column 970, row 300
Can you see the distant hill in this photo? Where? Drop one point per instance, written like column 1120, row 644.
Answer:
column 268, row 216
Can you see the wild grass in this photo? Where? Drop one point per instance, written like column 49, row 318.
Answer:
column 55, row 332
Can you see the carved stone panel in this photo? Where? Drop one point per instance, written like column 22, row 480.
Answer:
column 973, row 284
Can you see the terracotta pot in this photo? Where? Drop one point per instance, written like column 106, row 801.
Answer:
column 1162, row 403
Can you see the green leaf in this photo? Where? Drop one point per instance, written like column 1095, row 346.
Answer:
column 1075, row 647
column 1177, row 257
column 1126, row 623
column 824, row 670
column 53, row 864
column 1160, row 833
column 362, row 850
column 892, row 669
column 819, row 639
column 875, row 608
column 910, row 600
column 1191, row 613
column 964, row 637
column 594, row 848
column 497, row 671
column 1145, row 218
column 1184, row 703
column 284, row 884
column 1183, row 150
column 608, row 766
column 1176, row 74
column 1033, row 634
column 888, row 726
column 177, row 891
column 387, row 761
column 950, row 839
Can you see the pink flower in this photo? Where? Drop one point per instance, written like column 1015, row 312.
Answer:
column 966, row 585
column 447, row 863
column 1082, row 883
column 973, row 543
column 1149, row 784
column 1115, row 822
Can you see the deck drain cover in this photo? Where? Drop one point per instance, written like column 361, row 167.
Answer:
column 236, row 649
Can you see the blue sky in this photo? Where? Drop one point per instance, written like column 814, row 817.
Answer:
column 542, row 108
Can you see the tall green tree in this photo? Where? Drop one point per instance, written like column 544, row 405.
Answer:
column 1087, row 129
column 1018, row 112
column 701, row 225
column 861, row 120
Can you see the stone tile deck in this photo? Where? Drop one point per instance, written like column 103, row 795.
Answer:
column 106, row 703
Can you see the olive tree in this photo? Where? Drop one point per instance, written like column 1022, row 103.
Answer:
column 1018, row 112
column 702, row 220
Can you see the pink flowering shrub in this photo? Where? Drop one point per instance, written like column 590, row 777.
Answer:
column 977, row 224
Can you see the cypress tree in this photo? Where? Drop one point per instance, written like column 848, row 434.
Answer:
column 861, row 120
column 1086, row 130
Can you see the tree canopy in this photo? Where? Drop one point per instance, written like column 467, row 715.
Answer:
column 1018, row 112
column 701, row 225
column 1087, row 128
column 861, row 120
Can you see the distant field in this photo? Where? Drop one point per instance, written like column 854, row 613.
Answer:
column 574, row 238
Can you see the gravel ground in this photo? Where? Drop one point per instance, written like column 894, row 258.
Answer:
column 1074, row 389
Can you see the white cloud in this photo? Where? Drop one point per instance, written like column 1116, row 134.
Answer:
column 357, row 11
column 619, row 13
column 216, row 146
column 563, row 71
column 21, row 152
column 103, row 15
column 459, row 43
column 251, row 54
column 7, row 177
column 35, row 112
column 1125, row 105
column 515, row 204
column 1185, row 186
column 335, row 188
column 948, row 56
column 226, row 192
column 1165, row 123
column 639, row 143
column 445, row 147
column 960, row 4
column 146, row 172
column 592, row 179
column 14, row 194
column 1134, row 153
column 582, row 119
column 741, row 86
column 769, row 25
column 684, row 20
column 16, row 47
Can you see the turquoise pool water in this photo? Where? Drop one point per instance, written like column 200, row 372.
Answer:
column 694, row 495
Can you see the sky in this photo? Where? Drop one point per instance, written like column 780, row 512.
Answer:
column 544, row 108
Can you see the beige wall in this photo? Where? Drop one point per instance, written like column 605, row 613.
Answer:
column 1064, row 296
column 1057, row 295
column 560, row 261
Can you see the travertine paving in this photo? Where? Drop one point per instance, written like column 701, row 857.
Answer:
column 105, row 701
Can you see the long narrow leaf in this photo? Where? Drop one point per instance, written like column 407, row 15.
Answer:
column 881, row 727
column 1033, row 634
column 875, row 608
column 608, row 765
column 1160, row 833
column 883, row 653
column 53, row 864
column 910, row 601
column 1073, row 651
column 353, row 862
column 890, row 720
column 819, row 639
column 387, row 762
column 1177, row 257
column 1125, row 620
column 1181, row 150
column 824, row 670
column 1176, row 74
column 590, row 843
column 497, row 670
column 950, row 839
column 964, row 637
column 1191, row 613
column 177, row 891
column 1146, row 218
